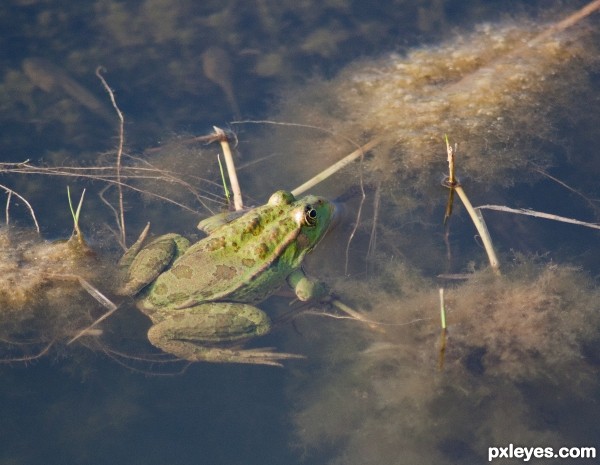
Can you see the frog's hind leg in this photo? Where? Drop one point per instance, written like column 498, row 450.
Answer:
column 209, row 333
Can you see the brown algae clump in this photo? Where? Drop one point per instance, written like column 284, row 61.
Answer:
column 496, row 91
column 41, row 299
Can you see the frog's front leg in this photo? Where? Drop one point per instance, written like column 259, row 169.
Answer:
column 306, row 288
column 142, row 265
column 205, row 332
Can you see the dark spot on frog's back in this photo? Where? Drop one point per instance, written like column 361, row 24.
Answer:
column 182, row 271
column 253, row 227
column 215, row 243
column 248, row 262
column 224, row 272
column 261, row 250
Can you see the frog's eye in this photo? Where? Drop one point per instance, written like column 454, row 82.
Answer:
column 310, row 215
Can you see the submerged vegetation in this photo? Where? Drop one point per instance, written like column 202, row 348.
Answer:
column 516, row 343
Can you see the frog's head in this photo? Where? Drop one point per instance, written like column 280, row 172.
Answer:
column 313, row 216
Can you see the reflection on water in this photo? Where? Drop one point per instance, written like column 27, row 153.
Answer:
column 521, row 359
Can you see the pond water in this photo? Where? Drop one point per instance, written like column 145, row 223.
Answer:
column 301, row 85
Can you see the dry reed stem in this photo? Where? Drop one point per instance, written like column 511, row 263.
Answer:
column 452, row 183
column 359, row 152
column 233, row 179
column 481, row 229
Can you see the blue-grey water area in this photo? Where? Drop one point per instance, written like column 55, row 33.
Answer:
column 368, row 394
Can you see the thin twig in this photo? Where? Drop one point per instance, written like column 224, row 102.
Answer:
column 592, row 202
column 99, row 70
column 373, row 236
column 28, row 358
column 69, row 171
column 8, row 207
column 362, row 319
column 547, row 216
column 363, row 196
column 10, row 193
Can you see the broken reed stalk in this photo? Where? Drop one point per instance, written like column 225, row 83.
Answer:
column 121, row 217
column 229, row 163
column 443, row 335
column 359, row 152
column 477, row 219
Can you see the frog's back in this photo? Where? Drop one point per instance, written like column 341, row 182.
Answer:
column 244, row 261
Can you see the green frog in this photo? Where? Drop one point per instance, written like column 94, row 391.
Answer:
column 201, row 297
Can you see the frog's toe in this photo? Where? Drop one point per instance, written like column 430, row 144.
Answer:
column 262, row 356
column 267, row 356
